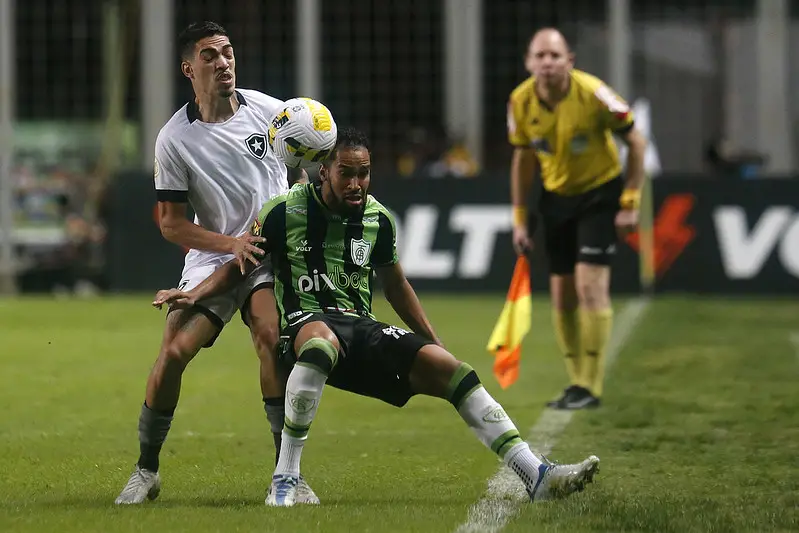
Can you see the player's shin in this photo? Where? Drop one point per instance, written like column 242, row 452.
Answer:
column 316, row 360
column 153, row 429
column 567, row 333
column 595, row 326
column 275, row 414
column 488, row 420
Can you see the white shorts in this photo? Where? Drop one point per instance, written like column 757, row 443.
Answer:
column 220, row 309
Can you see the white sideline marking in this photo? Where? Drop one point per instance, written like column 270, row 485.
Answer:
column 505, row 491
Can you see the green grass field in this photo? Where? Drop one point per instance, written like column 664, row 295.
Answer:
column 699, row 430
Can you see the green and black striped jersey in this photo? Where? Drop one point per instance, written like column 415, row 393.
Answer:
column 322, row 261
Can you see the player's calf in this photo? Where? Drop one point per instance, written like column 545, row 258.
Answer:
column 186, row 333
column 317, row 355
column 494, row 428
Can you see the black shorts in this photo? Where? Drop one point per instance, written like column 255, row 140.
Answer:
column 375, row 358
column 580, row 228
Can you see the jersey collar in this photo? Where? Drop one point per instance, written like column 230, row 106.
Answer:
column 569, row 92
column 193, row 110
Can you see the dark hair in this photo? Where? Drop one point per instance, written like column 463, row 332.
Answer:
column 348, row 138
column 194, row 32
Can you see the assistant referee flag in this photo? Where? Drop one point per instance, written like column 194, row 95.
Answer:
column 513, row 324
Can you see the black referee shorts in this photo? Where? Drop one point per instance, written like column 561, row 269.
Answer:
column 375, row 358
column 580, row 228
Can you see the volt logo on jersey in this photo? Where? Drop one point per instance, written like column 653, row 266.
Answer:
column 256, row 144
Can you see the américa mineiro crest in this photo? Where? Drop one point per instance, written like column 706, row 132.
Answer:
column 359, row 251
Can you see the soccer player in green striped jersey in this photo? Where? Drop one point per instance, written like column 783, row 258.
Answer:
column 325, row 241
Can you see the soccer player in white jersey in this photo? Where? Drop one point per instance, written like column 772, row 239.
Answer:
column 213, row 155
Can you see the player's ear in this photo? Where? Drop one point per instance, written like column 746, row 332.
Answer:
column 322, row 172
column 528, row 62
column 185, row 67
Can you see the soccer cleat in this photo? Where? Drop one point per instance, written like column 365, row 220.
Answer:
column 283, row 491
column 580, row 398
column 559, row 481
column 558, row 403
column 142, row 485
column 305, row 494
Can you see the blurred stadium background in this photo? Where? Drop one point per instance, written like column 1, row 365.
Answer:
column 88, row 83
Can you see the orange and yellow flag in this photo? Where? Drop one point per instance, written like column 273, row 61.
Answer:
column 513, row 324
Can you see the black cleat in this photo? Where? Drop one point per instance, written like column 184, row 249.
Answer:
column 559, row 403
column 580, row 398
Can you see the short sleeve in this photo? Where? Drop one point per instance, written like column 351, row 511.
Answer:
column 515, row 119
column 271, row 223
column 171, row 173
column 385, row 252
column 615, row 113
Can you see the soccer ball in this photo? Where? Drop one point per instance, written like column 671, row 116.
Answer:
column 302, row 133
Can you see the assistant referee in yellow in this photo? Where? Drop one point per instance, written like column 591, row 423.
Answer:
column 561, row 122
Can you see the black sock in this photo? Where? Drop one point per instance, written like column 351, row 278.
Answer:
column 276, row 414
column 278, row 437
column 153, row 429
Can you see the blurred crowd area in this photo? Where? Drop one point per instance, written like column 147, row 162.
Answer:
column 382, row 71
column 59, row 231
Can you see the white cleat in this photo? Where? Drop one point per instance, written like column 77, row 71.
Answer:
column 142, row 485
column 559, row 481
column 283, row 491
column 305, row 493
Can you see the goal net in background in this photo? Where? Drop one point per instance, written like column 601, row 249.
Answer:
column 391, row 67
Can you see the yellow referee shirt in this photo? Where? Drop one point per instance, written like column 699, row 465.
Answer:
column 573, row 142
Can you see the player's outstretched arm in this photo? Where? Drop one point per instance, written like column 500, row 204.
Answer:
column 178, row 229
column 221, row 281
column 403, row 299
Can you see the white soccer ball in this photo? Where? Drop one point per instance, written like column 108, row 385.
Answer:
column 302, row 133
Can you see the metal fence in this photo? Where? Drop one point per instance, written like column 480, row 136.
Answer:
column 93, row 80
column 384, row 65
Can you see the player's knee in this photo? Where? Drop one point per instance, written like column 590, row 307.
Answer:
column 592, row 283
column 265, row 338
column 563, row 292
column 178, row 353
column 319, row 353
column 461, row 384
column 433, row 371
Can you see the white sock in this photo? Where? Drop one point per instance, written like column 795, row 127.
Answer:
column 521, row 459
column 290, row 452
column 303, row 393
column 488, row 421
